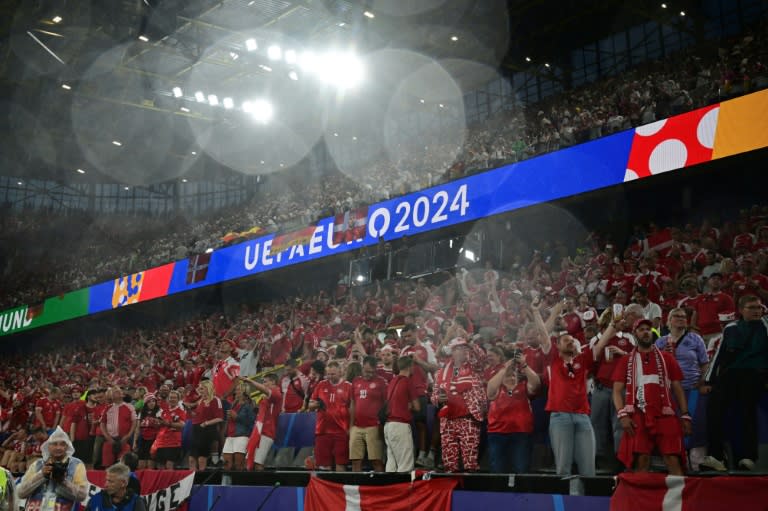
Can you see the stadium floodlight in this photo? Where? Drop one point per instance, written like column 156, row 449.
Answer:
column 274, row 52
column 19, row 183
column 184, row 180
column 80, row 171
column 344, row 70
column 184, row 109
column 261, row 110
column 682, row 13
column 308, row 61
column 200, row 97
column 65, row 86
column 213, row 99
column 117, row 143
column 360, row 278
column 144, row 38
column 468, row 254
column 228, row 103
column 290, row 56
column 369, row 14
column 57, row 19
column 663, row 6
column 250, row 45
column 293, row 75
column 527, row 59
column 127, row 188
column 177, row 92
column 454, row 38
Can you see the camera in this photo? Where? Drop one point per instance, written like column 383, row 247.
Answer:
column 59, row 471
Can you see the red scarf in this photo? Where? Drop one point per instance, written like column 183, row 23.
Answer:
column 639, row 385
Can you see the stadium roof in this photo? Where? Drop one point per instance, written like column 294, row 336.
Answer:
column 78, row 78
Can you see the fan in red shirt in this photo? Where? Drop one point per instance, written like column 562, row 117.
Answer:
column 167, row 445
column 206, row 417
column 368, row 394
column 570, row 429
column 711, row 306
column 294, row 387
column 265, row 429
column 48, row 410
column 510, row 416
column 645, row 383
column 412, row 348
column 118, row 424
column 331, row 398
column 75, row 423
column 402, row 399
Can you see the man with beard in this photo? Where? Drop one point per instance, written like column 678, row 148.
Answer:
column 331, row 399
column 645, row 382
column 58, row 480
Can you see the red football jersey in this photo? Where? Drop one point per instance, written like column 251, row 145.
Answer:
column 568, row 385
column 368, row 396
column 334, row 416
column 269, row 411
column 511, row 411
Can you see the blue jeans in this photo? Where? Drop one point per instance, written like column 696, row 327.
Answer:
column 572, row 440
column 605, row 423
column 509, row 453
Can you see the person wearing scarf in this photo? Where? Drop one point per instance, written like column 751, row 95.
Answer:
column 644, row 383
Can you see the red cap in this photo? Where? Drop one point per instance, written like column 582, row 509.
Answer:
column 642, row 321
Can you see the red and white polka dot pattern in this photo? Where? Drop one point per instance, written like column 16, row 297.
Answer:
column 673, row 143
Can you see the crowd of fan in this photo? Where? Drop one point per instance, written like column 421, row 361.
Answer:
column 43, row 256
column 456, row 341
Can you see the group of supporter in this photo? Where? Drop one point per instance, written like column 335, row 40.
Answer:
column 42, row 257
column 446, row 354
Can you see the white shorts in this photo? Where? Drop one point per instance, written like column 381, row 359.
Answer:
column 265, row 444
column 235, row 444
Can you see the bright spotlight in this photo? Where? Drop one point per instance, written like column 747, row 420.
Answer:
column 293, row 75
column 360, row 278
column 144, row 38
column 80, row 171
column 308, row 61
column 199, row 96
column 177, row 92
column 527, row 59
column 260, row 109
column 228, row 103
column 57, row 19
column 213, row 99
column 343, row 70
column 274, row 52
column 117, row 143
column 250, row 45
column 369, row 14
column 682, row 13
column 290, row 56
column 65, row 86
column 184, row 109
column 454, row 38
column 468, row 254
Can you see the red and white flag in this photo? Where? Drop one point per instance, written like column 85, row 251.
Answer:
column 431, row 495
column 350, row 226
column 660, row 492
column 660, row 242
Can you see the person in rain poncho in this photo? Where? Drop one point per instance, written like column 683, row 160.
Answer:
column 56, row 482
